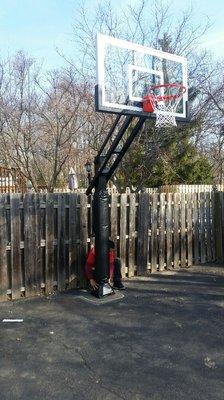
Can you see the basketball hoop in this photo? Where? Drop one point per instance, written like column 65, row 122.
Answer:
column 167, row 100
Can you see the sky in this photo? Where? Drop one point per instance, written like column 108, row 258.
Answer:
column 40, row 26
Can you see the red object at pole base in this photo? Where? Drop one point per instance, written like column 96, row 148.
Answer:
column 148, row 103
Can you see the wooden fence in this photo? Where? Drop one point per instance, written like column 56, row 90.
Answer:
column 185, row 189
column 160, row 189
column 11, row 180
column 44, row 238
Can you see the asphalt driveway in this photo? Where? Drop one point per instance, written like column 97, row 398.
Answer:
column 163, row 341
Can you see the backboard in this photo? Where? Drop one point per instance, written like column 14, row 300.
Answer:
column 126, row 70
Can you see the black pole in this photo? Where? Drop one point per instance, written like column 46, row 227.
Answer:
column 101, row 227
column 101, row 203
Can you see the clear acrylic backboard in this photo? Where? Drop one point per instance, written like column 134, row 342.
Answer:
column 126, row 71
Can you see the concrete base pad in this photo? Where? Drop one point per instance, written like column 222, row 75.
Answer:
column 88, row 297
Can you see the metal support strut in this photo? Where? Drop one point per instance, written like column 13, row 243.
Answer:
column 101, row 198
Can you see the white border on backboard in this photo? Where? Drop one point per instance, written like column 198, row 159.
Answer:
column 103, row 40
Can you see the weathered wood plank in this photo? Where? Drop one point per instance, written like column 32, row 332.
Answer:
column 61, row 243
column 169, row 228
column 83, row 240
column 176, row 234
column 196, row 228
column 189, row 231
column 183, row 230
column 113, row 218
column 29, row 244
column 3, row 255
column 15, row 246
column 154, row 227
column 208, row 227
column 222, row 221
column 217, row 226
column 37, row 250
column 42, row 236
column 123, row 226
column 39, row 261
column 49, row 244
column 66, row 235
column 212, row 226
column 132, row 228
column 202, row 227
column 162, row 231
column 143, row 234
column 73, row 248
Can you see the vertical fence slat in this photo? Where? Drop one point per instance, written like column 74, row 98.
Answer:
column 161, row 232
column 73, row 248
column 66, row 236
column 169, row 229
column 222, row 222
column 154, row 226
column 208, row 227
column 143, row 234
column 123, row 225
column 176, row 236
column 29, row 244
column 39, row 275
column 183, row 230
column 3, row 243
column 83, row 239
column 49, row 243
column 113, row 217
column 42, row 236
column 202, row 227
column 217, row 226
column 212, row 226
column 189, row 230
column 61, row 243
column 15, row 246
column 196, row 228
column 131, row 242
column 36, row 242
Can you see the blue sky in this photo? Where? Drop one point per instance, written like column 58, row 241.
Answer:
column 39, row 26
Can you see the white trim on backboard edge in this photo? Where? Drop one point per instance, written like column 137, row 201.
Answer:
column 102, row 40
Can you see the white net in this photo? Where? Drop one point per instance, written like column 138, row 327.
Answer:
column 167, row 101
column 164, row 120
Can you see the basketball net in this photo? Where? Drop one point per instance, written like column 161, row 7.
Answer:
column 164, row 102
column 164, row 120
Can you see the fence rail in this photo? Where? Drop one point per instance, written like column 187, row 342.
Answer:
column 44, row 238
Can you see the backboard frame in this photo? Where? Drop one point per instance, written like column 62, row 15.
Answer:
column 103, row 105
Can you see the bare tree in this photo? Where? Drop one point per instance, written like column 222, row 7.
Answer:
column 152, row 25
column 48, row 121
column 41, row 120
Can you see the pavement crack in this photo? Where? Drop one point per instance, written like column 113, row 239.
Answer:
column 98, row 379
column 92, row 374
